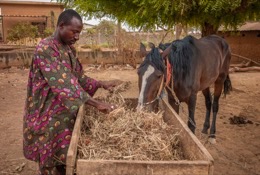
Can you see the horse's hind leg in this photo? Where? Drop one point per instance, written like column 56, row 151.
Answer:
column 208, row 103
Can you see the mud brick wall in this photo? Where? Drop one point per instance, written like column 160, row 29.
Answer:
column 244, row 43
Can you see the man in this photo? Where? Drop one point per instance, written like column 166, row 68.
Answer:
column 57, row 87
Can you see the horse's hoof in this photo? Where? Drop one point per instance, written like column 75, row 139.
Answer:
column 212, row 140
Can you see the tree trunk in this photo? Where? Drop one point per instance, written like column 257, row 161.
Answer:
column 185, row 30
column 208, row 29
column 178, row 30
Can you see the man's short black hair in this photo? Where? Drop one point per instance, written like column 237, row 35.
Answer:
column 67, row 15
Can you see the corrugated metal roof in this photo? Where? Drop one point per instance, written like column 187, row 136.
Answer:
column 30, row 3
column 247, row 26
column 250, row 26
column 34, row 16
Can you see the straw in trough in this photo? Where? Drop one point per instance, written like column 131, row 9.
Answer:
column 125, row 134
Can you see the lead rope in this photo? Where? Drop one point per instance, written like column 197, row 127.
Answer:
column 171, row 82
column 177, row 101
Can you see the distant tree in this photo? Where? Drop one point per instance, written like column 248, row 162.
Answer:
column 90, row 33
column 149, row 14
column 107, row 29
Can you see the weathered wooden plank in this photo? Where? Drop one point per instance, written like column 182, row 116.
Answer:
column 202, row 162
column 191, row 146
column 72, row 151
column 116, row 167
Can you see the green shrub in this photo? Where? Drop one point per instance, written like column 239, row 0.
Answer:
column 104, row 45
column 22, row 30
column 47, row 32
column 86, row 46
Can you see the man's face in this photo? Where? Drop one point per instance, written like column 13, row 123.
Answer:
column 69, row 33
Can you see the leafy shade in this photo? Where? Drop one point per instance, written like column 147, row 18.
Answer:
column 149, row 14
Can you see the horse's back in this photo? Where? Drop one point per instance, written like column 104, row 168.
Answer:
column 223, row 51
column 218, row 41
column 216, row 56
column 212, row 60
column 213, row 50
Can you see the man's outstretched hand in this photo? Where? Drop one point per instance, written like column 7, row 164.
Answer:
column 101, row 106
column 106, row 108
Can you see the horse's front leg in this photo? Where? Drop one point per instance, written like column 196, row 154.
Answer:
column 191, row 107
column 208, row 103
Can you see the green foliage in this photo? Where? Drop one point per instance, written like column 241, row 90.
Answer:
column 91, row 31
column 22, row 30
column 105, row 45
column 86, row 46
column 47, row 32
column 149, row 14
column 96, row 47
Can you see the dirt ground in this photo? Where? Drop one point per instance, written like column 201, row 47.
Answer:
column 237, row 151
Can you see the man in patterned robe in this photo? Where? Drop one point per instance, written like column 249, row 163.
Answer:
column 57, row 87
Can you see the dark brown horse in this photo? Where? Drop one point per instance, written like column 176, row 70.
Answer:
column 196, row 65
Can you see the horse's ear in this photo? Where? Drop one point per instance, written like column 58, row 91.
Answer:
column 161, row 46
column 143, row 51
column 167, row 51
column 151, row 45
column 164, row 46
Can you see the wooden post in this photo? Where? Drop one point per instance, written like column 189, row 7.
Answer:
column 72, row 151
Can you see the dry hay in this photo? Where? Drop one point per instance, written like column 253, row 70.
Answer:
column 125, row 134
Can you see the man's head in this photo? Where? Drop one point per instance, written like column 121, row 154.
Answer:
column 69, row 26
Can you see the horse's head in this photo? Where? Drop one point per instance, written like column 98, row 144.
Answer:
column 150, row 77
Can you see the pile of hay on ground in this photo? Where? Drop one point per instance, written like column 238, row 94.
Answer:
column 125, row 134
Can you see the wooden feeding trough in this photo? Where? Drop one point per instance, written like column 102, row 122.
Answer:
column 191, row 146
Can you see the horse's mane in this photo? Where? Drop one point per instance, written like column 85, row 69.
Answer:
column 180, row 57
column 154, row 57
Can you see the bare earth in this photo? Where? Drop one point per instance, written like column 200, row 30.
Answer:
column 237, row 151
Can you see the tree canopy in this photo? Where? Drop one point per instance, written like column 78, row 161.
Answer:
column 149, row 14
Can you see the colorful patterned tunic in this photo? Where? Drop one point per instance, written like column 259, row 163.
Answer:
column 57, row 87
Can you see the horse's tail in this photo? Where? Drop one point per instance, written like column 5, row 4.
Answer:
column 227, row 86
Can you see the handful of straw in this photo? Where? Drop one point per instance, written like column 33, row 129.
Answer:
column 125, row 134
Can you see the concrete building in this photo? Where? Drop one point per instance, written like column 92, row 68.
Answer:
column 42, row 14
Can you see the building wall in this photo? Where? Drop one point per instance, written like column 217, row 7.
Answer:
column 28, row 9
column 244, row 43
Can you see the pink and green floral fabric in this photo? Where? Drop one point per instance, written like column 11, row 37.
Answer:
column 57, row 87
